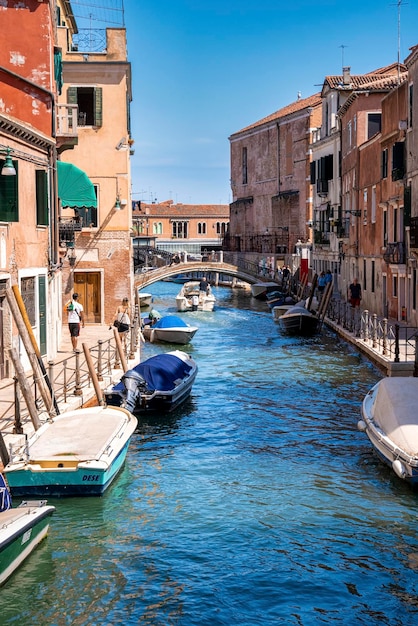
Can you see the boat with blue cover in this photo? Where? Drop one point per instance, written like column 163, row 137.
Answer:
column 170, row 329
column 160, row 383
column 22, row 528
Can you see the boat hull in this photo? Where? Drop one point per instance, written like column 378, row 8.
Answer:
column 390, row 423
column 299, row 321
column 57, row 468
column 180, row 336
column 21, row 530
column 145, row 299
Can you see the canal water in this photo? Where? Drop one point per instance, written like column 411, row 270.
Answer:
column 256, row 503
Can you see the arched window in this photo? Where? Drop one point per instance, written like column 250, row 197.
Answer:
column 201, row 228
column 179, row 230
column 157, row 228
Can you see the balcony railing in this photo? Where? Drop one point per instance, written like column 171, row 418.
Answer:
column 67, row 115
column 68, row 226
column 394, row 253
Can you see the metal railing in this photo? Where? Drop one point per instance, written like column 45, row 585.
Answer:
column 393, row 341
column 68, row 377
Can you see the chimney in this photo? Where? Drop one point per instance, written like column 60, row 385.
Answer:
column 346, row 76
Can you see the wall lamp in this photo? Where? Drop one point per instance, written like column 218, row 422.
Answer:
column 8, row 168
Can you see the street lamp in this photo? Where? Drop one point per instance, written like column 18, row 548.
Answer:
column 8, row 168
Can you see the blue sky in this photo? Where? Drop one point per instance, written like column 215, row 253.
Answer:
column 204, row 69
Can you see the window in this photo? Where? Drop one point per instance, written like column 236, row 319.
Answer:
column 179, row 230
column 201, row 228
column 374, row 124
column 398, row 160
column 88, row 215
column 89, row 101
column 157, row 228
column 411, row 104
column 41, row 181
column 414, row 289
column 27, row 289
column 364, row 275
column 9, row 203
column 385, row 228
column 221, row 228
column 244, row 166
column 373, row 275
column 349, row 137
column 385, row 163
column 373, row 209
column 395, row 287
column 395, row 225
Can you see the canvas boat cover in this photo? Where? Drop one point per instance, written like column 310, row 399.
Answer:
column 170, row 321
column 160, row 372
column 395, row 411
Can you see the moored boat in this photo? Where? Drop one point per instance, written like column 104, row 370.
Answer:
column 22, row 528
column 299, row 321
column 145, row 299
column 261, row 289
column 390, row 420
column 160, row 383
column 78, row 453
column 170, row 329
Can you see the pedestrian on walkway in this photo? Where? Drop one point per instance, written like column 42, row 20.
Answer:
column 123, row 319
column 354, row 293
column 75, row 319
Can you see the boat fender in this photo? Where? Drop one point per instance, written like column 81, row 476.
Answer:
column 399, row 468
column 361, row 425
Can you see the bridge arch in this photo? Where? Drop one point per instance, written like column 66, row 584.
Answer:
column 148, row 278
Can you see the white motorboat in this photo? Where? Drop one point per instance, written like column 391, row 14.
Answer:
column 191, row 298
column 77, row 453
column 170, row 329
column 145, row 299
column 390, row 420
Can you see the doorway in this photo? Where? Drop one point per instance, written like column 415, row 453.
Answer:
column 88, row 287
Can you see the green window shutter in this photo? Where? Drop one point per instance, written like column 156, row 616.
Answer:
column 98, row 106
column 9, row 203
column 72, row 95
column 41, row 198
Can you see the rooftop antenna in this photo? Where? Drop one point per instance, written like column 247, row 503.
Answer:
column 399, row 3
column 342, row 54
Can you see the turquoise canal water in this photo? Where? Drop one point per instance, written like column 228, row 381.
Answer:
column 257, row 503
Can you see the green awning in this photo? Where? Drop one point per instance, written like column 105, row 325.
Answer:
column 75, row 188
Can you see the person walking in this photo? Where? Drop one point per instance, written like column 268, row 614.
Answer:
column 354, row 293
column 75, row 319
column 123, row 319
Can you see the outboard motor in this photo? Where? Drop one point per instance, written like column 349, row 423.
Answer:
column 134, row 384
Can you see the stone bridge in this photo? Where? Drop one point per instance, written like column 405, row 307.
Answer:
column 247, row 274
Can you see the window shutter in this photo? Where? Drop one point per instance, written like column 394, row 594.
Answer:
column 98, row 106
column 329, row 167
column 72, row 95
column 313, row 172
column 41, row 198
column 9, row 204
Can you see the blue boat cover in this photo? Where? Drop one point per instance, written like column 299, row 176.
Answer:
column 170, row 321
column 5, row 499
column 160, row 372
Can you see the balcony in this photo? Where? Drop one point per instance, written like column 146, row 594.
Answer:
column 394, row 253
column 67, row 227
column 66, row 131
